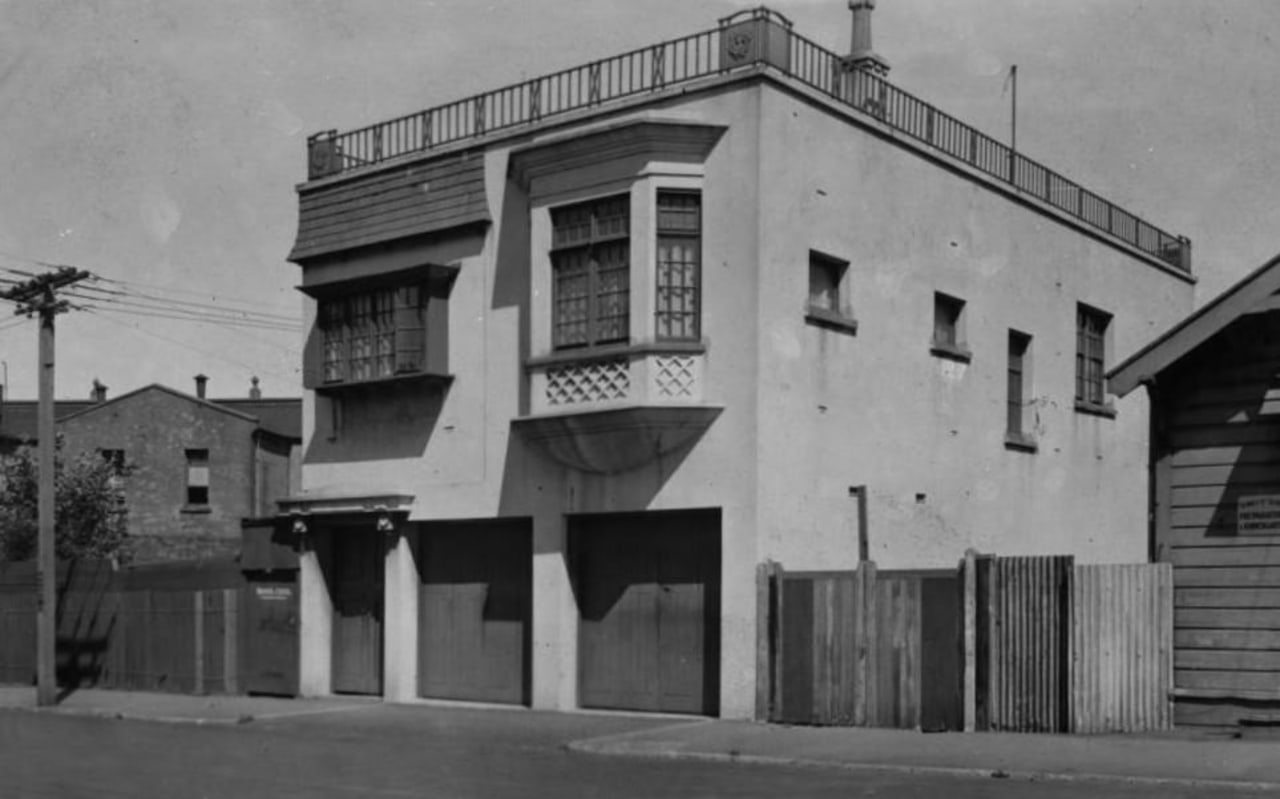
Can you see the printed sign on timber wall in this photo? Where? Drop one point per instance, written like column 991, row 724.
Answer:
column 1258, row 515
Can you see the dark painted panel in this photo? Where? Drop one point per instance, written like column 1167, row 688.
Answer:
column 357, row 590
column 648, row 593
column 475, row 606
column 942, row 623
column 271, row 609
column 797, row 651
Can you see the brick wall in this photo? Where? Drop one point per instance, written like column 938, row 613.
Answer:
column 155, row 427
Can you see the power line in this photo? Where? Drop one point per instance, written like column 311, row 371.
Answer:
column 181, row 317
column 185, row 345
column 27, row 260
column 223, row 308
column 187, row 292
column 210, row 313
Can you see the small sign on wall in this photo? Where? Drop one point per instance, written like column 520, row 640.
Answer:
column 1258, row 515
column 274, row 593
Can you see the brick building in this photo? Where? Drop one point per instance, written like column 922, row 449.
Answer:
column 193, row 467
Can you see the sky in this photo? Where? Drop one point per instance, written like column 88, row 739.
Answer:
column 158, row 143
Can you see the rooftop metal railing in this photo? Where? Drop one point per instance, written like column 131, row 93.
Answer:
column 748, row 39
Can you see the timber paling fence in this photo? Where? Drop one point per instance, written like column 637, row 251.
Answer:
column 167, row 627
column 1023, row 644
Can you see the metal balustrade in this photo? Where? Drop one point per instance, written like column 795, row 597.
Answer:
column 752, row 40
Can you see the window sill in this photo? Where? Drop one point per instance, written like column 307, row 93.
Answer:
column 951, row 352
column 581, row 354
column 1017, row 442
column 1106, row 411
column 195, row 509
column 832, row 320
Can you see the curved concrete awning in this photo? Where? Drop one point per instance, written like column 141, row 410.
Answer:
column 614, row 440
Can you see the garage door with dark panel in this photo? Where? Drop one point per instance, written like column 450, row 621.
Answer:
column 648, row 591
column 474, row 611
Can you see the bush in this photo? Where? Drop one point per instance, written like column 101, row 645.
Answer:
column 92, row 520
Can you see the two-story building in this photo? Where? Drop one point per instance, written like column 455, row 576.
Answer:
column 586, row 349
column 191, row 468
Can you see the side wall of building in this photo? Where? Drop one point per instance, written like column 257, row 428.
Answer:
column 926, row 433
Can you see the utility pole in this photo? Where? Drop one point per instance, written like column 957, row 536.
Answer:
column 37, row 296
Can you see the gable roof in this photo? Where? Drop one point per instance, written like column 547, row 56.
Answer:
column 1254, row 292
column 281, row 416
column 97, row 406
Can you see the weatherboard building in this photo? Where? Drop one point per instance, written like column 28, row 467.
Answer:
column 585, row 350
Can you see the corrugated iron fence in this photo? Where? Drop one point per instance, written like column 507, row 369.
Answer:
column 1122, row 645
column 170, row 627
column 1029, row 644
column 1023, row 633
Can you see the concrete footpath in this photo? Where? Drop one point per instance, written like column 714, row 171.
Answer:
column 179, row 708
column 1169, row 758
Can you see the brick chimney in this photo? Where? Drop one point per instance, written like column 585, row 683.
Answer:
column 201, row 382
column 254, row 392
column 99, row 393
column 861, row 54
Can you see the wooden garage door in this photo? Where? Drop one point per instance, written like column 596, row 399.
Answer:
column 648, row 593
column 356, row 573
column 475, row 601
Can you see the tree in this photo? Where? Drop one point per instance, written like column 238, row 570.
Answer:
column 92, row 521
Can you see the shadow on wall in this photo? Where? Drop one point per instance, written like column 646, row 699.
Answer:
column 1225, row 425
column 380, row 422
column 511, row 283
column 528, row 472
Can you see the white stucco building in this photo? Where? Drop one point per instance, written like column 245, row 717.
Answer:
column 586, row 350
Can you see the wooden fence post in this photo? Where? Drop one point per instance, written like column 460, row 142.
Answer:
column 198, row 603
column 776, row 675
column 969, row 574
column 865, row 635
column 230, row 637
column 765, row 623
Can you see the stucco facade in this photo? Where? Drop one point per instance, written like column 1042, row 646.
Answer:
column 752, row 437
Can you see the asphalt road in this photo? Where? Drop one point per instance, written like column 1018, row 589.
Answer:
column 397, row 751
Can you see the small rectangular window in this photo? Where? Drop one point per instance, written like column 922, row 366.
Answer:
column 1016, row 427
column 1091, row 357
column 947, row 311
column 826, row 283
column 197, row 476
column 948, row 328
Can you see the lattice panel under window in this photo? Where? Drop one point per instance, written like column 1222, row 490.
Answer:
column 675, row 376
column 596, row 381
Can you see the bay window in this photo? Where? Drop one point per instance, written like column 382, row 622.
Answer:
column 373, row 334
